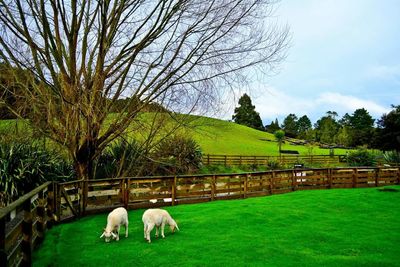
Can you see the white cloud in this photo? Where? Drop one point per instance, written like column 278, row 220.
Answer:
column 275, row 103
column 348, row 103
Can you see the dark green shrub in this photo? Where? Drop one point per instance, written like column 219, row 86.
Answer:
column 173, row 155
column 178, row 154
column 24, row 166
column 361, row 157
column 273, row 165
column 392, row 157
column 122, row 158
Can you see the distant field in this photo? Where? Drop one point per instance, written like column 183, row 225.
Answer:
column 337, row 227
column 219, row 137
column 222, row 137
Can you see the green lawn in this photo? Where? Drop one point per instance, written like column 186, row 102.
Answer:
column 338, row 227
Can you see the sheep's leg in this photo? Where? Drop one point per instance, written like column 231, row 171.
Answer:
column 119, row 226
column 162, row 229
column 126, row 229
column 157, row 227
column 150, row 227
column 145, row 230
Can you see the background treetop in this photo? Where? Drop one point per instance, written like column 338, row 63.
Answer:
column 246, row 114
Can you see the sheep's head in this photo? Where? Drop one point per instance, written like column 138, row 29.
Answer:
column 173, row 226
column 108, row 235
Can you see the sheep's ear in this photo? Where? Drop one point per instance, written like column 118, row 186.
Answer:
column 114, row 235
column 102, row 235
column 177, row 228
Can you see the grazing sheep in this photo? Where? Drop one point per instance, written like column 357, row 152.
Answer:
column 115, row 219
column 157, row 218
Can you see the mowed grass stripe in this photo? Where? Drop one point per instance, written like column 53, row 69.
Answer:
column 338, row 227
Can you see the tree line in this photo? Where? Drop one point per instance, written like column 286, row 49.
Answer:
column 351, row 130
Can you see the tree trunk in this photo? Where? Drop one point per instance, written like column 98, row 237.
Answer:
column 84, row 168
column 84, row 160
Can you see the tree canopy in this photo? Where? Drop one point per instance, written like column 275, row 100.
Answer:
column 273, row 127
column 289, row 125
column 246, row 114
column 389, row 130
column 83, row 56
column 361, row 127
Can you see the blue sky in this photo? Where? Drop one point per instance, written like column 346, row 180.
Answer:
column 344, row 55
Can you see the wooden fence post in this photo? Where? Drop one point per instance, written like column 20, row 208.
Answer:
column 355, row 176
column 225, row 160
column 26, row 243
column 330, row 178
column 58, row 201
column 213, row 188
column 271, row 183
column 294, row 184
column 85, row 193
column 127, row 191
column 377, row 174
column 173, row 192
column 245, row 185
column 208, row 159
column 50, row 206
column 41, row 223
column 398, row 175
column 122, row 192
column 3, row 253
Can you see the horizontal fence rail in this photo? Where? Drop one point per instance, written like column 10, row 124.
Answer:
column 86, row 197
column 237, row 160
column 23, row 223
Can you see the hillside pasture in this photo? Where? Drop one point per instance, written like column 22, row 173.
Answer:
column 214, row 136
column 338, row 227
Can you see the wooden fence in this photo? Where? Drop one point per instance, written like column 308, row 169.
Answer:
column 23, row 224
column 236, row 160
column 60, row 202
column 78, row 198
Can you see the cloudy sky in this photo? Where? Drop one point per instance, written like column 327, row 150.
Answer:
column 344, row 55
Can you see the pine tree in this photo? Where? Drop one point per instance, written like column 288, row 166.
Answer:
column 290, row 125
column 273, row 127
column 303, row 126
column 246, row 114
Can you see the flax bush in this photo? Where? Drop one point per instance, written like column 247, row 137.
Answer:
column 24, row 166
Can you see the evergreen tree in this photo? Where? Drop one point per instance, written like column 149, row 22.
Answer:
column 290, row 125
column 273, row 127
column 388, row 132
column 362, row 126
column 246, row 114
column 303, row 126
column 327, row 127
column 343, row 136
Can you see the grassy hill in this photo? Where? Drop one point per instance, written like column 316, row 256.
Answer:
column 223, row 137
column 216, row 137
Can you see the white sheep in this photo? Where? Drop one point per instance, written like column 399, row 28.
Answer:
column 115, row 219
column 157, row 218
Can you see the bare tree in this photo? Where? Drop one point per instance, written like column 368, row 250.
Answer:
column 85, row 55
